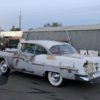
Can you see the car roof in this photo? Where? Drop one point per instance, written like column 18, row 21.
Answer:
column 45, row 43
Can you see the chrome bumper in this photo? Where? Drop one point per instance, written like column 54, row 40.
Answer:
column 89, row 77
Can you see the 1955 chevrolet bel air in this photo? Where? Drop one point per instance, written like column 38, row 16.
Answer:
column 56, row 60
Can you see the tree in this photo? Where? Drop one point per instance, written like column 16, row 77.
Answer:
column 54, row 24
column 47, row 25
column 15, row 28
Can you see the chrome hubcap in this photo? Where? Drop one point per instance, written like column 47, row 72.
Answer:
column 3, row 67
column 55, row 77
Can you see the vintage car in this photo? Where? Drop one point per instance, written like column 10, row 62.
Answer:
column 56, row 60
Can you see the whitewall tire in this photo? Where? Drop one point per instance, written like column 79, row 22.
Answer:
column 55, row 78
column 3, row 67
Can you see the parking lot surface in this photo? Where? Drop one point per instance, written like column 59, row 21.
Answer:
column 18, row 86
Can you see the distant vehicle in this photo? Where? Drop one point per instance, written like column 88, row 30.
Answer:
column 8, row 42
column 56, row 60
column 12, row 43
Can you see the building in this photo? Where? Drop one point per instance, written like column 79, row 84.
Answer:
column 10, row 39
column 82, row 36
column 14, row 34
column 49, row 33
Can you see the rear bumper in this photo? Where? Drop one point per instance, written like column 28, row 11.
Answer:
column 89, row 77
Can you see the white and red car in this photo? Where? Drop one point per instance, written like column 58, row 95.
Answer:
column 57, row 60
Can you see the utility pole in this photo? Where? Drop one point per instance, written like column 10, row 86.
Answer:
column 0, row 32
column 20, row 20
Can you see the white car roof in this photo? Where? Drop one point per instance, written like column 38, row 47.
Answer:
column 45, row 43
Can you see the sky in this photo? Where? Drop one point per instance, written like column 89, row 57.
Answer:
column 36, row 13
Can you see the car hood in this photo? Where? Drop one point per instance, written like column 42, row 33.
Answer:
column 5, row 54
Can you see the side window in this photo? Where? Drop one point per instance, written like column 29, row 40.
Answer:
column 40, row 50
column 29, row 48
column 54, row 50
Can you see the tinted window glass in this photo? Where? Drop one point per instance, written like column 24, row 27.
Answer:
column 29, row 48
column 55, row 50
column 40, row 50
column 63, row 49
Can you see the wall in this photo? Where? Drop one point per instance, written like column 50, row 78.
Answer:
column 86, row 39
column 46, row 35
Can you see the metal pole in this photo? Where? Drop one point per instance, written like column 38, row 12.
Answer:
column 0, row 32
column 68, row 37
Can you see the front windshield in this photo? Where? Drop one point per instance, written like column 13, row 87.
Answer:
column 63, row 49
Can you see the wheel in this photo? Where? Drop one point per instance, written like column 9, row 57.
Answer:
column 4, row 67
column 55, row 79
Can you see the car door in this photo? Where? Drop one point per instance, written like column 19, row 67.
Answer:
column 38, row 65
column 23, row 60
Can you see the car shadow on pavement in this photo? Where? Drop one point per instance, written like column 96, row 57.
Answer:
column 81, row 84
column 3, row 79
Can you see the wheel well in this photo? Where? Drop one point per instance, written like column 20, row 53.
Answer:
column 1, row 59
column 46, row 73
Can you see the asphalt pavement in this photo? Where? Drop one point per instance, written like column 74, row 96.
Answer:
column 18, row 86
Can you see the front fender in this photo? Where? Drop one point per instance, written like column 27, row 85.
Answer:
column 7, row 57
